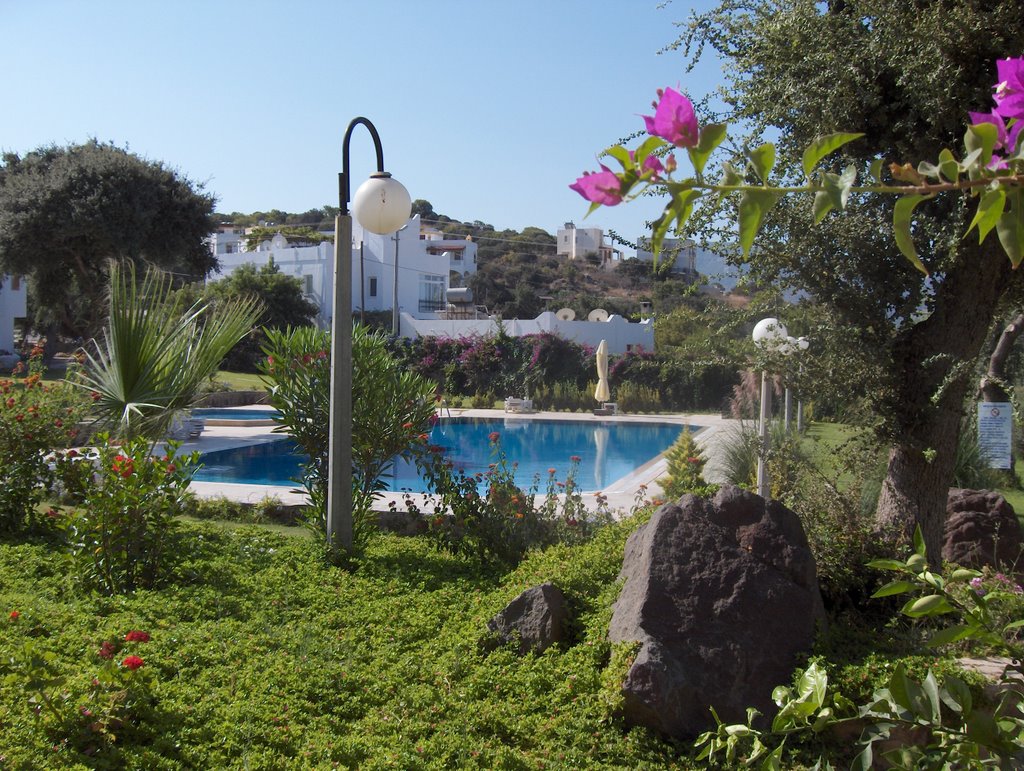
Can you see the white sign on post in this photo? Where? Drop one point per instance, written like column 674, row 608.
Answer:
column 995, row 433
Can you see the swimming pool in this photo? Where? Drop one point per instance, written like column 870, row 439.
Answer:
column 233, row 413
column 607, row 451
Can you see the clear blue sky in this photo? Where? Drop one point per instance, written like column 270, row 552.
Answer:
column 487, row 109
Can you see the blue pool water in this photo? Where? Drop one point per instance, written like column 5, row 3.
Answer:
column 233, row 413
column 607, row 451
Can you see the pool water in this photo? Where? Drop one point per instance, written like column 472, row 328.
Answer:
column 233, row 413
column 607, row 451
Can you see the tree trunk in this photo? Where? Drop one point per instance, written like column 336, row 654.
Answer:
column 993, row 385
column 935, row 359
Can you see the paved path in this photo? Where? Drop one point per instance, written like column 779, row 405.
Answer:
column 621, row 494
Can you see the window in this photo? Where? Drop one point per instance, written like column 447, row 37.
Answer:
column 307, row 283
column 15, row 283
column 373, row 286
column 229, row 248
column 431, row 293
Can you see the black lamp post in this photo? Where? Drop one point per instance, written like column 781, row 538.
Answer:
column 382, row 205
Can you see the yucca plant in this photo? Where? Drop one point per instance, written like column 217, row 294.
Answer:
column 156, row 354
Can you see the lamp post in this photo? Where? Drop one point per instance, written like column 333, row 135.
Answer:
column 790, row 346
column 395, row 325
column 768, row 333
column 381, row 205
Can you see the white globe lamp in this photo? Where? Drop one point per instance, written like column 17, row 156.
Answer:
column 382, row 204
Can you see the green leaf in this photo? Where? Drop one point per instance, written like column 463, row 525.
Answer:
column 875, row 170
column 930, row 689
column 824, row 145
column 822, row 205
column 711, row 137
column 983, row 137
column 949, row 166
column 763, row 161
column 886, row 564
column 990, row 209
column 1010, row 230
column 895, row 587
column 949, row 635
column 865, row 761
column 901, row 220
column 754, row 205
column 956, row 695
column 621, row 154
column 730, row 175
column 917, row 563
column 1014, row 625
column 920, row 547
column 929, row 605
column 964, row 574
column 647, row 147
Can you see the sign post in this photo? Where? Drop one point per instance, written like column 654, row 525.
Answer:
column 995, row 433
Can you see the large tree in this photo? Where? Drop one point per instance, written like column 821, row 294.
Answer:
column 905, row 73
column 65, row 212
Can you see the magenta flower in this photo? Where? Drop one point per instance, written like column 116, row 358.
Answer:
column 674, row 119
column 601, row 187
column 1007, row 139
column 1009, row 91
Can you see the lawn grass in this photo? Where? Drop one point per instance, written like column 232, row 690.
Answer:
column 266, row 658
column 240, row 381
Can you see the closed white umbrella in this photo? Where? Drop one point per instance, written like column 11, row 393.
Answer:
column 601, row 393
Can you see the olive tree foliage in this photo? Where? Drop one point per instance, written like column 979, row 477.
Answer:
column 905, row 74
column 283, row 301
column 65, row 212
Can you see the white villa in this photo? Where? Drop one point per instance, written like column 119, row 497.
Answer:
column 12, row 306
column 576, row 243
column 688, row 257
column 428, row 263
column 432, row 271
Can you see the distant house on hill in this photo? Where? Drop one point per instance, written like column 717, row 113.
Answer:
column 687, row 257
column 576, row 243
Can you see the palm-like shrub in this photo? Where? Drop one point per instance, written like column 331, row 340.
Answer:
column 156, row 353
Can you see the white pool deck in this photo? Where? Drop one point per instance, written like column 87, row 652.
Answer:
column 621, row 495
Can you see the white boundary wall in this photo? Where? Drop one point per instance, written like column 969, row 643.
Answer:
column 621, row 335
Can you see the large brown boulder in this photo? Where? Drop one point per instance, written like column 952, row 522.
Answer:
column 981, row 529
column 722, row 596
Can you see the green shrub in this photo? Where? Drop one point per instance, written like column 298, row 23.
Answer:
column 35, row 418
column 121, row 537
column 685, row 469
column 391, row 410
column 633, row 397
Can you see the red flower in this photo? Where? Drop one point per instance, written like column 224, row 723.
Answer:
column 107, row 650
column 11, row 402
column 132, row 662
column 136, row 636
column 574, row 458
column 407, row 425
column 693, row 460
column 72, row 453
column 494, row 436
column 14, row 615
column 552, row 471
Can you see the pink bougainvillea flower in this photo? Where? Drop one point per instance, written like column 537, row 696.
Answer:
column 1007, row 137
column 137, row 636
column 674, row 119
column 601, row 187
column 1009, row 91
column 132, row 662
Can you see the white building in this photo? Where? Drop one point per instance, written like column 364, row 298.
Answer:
column 13, row 292
column 576, row 243
column 688, row 257
column 427, row 264
column 620, row 334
